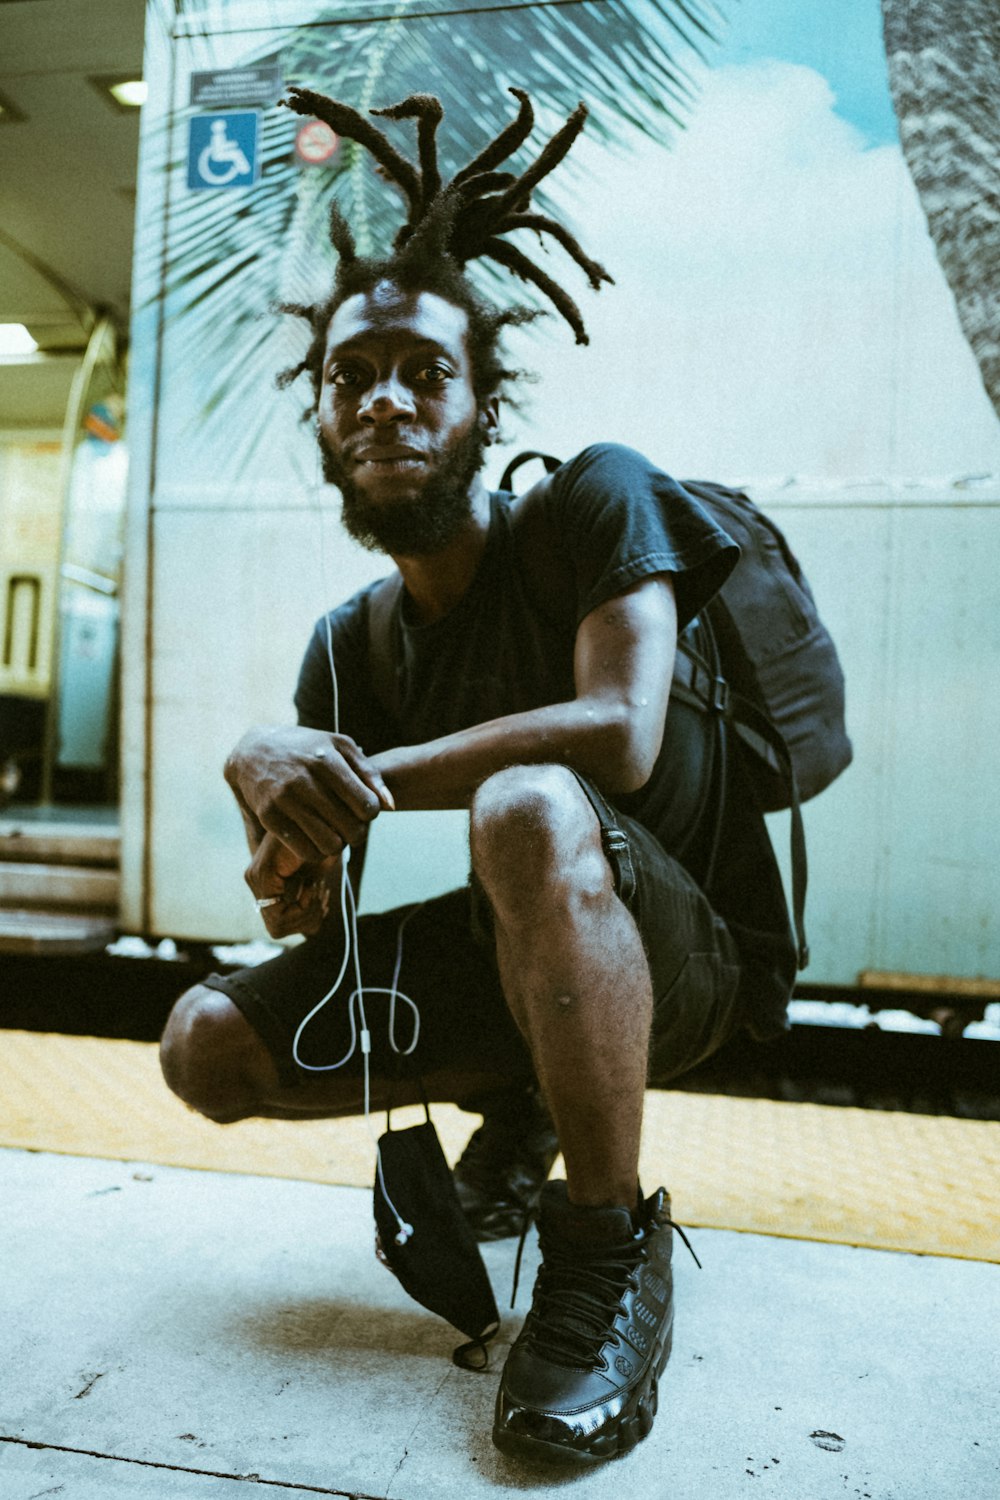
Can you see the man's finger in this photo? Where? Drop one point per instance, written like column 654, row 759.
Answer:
column 318, row 816
column 301, row 908
column 276, row 861
column 355, row 781
column 272, row 866
column 288, row 831
column 282, row 922
column 370, row 775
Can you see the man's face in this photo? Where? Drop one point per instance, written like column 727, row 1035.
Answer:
column 401, row 431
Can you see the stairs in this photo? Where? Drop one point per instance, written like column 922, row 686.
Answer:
column 58, row 879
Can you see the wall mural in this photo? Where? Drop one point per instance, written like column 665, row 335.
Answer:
column 944, row 68
column 779, row 319
column 261, row 226
column 741, row 176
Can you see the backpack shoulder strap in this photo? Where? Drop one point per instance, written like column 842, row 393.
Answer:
column 551, row 465
column 701, row 686
column 381, row 657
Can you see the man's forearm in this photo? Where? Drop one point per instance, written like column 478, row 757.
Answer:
column 593, row 736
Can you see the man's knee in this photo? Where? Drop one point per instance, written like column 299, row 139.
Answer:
column 212, row 1058
column 533, row 829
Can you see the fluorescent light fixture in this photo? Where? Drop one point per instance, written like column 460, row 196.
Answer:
column 15, row 339
column 120, row 91
column 131, row 92
column 9, row 113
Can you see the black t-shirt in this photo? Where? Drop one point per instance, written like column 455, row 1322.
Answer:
column 607, row 519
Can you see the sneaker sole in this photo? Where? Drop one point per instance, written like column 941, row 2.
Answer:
column 635, row 1423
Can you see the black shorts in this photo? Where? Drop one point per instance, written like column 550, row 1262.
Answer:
column 449, row 971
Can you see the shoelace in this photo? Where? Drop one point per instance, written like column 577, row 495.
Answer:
column 578, row 1293
column 575, row 1300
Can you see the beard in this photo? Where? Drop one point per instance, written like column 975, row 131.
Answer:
column 416, row 526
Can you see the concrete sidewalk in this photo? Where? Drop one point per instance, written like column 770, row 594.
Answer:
column 196, row 1336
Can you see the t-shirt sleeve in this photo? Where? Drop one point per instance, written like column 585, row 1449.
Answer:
column 621, row 519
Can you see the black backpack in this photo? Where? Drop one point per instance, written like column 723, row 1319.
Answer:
column 761, row 662
column 764, row 664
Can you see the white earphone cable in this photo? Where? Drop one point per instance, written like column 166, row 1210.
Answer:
column 352, row 952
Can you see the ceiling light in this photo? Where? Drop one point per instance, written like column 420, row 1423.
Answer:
column 15, row 339
column 9, row 113
column 131, row 92
column 121, row 91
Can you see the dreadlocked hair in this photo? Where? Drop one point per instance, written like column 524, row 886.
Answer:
column 447, row 225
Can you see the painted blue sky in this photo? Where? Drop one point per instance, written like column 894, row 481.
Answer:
column 841, row 39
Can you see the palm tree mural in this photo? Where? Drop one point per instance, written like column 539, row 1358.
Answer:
column 944, row 72
column 229, row 262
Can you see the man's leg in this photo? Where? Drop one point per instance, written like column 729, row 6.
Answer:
column 214, row 1060
column 227, row 1048
column 561, row 871
column 573, row 970
column 506, row 1162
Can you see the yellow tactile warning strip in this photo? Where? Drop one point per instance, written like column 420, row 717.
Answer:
column 921, row 1183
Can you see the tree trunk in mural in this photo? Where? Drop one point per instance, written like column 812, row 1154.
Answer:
column 944, row 72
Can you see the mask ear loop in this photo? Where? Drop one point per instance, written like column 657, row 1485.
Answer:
column 405, row 1230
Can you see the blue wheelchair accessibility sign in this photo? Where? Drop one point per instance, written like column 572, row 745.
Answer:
column 222, row 149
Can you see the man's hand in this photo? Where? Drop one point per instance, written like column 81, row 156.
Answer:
column 301, row 892
column 313, row 790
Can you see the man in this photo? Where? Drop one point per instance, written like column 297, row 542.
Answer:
column 522, row 669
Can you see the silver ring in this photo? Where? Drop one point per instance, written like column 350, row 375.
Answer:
column 268, row 901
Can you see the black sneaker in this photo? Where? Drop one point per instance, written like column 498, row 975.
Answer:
column 580, row 1382
column 500, row 1174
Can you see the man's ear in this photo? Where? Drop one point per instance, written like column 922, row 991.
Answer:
column 489, row 419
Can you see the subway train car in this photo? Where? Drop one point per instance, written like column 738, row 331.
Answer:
column 780, row 320
column 793, row 315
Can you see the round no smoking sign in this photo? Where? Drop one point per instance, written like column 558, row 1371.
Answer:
column 315, row 143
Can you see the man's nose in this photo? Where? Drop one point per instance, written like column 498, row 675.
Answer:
column 387, row 400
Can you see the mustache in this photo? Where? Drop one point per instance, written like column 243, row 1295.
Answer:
column 417, row 526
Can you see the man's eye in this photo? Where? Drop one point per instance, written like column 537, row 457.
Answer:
column 433, row 374
column 343, row 377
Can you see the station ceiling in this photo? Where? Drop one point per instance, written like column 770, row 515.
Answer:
column 67, row 181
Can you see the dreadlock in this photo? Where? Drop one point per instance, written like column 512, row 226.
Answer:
column 447, row 225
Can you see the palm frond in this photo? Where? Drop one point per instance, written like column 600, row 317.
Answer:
column 233, row 255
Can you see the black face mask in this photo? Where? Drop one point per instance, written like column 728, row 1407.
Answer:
column 434, row 1252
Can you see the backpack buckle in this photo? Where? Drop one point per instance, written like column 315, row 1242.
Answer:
column 720, row 696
